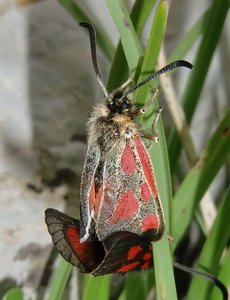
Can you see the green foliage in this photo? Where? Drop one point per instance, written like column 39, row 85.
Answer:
column 98, row 284
column 13, row 294
column 60, row 280
column 211, row 31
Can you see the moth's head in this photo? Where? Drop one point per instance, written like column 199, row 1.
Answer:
column 117, row 104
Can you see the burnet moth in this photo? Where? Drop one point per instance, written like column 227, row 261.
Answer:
column 120, row 208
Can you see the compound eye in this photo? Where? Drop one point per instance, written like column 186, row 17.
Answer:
column 125, row 105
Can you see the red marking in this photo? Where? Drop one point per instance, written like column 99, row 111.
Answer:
column 85, row 252
column 92, row 195
column 133, row 251
column 146, row 165
column 98, row 200
column 126, row 207
column 147, row 256
column 145, row 193
column 128, row 267
column 95, row 200
column 73, row 237
column 128, row 162
column 150, row 222
column 146, row 265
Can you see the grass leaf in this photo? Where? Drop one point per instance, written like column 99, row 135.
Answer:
column 61, row 277
column 130, row 43
column 138, row 16
column 133, row 57
column 211, row 35
column 79, row 14
column 96, row 288
column 190, row 38
column 212, row 250
column 223, row 275
column 199, row 178
column 13, row 294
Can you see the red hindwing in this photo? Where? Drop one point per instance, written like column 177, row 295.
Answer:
column 65, row 233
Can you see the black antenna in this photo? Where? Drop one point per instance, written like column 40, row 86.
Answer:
column 92, row 37
column 208, row 276
column 169, row 67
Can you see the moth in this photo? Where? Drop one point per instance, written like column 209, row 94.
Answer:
column 120, row 208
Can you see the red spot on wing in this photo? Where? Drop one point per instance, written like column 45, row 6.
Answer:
column 146, row 265
column 81, row 250
column 150, row 222
column 128, row 162
column 146, row 165
column 147, row 256
column 133, row 251
column 127, row 206
column 128, row 267
column 73, row 236
column 145, row 192
column 85, row 252
column 95, row 199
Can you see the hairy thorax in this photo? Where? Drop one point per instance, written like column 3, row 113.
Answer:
column 105, row 129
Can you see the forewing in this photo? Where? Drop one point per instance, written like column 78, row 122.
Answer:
column 127, row 252
column 65, row 233
column 87, row 189
column 130, row 200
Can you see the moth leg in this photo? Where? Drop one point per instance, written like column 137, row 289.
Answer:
column 149, row 103
column 140, row 111
column 153, row 136
column 170, row 239
column 156, row 119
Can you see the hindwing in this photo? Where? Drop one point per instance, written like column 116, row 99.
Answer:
column 65, row 233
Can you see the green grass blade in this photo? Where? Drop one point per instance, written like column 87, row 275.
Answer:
column 199, row 178
column 13, row 294
column 136, row 287
column 164, row 277
column 161, row 252
column 119, row 69
column 61, row 277
column 79, row 14
column 152, row 51
column 224, row 277
column 212, row 250
column 96, row 288
column 133, row 58
column 130, row 42
column 191, row 37
column 140, row 13
column 165, row 283
column 211, row 34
